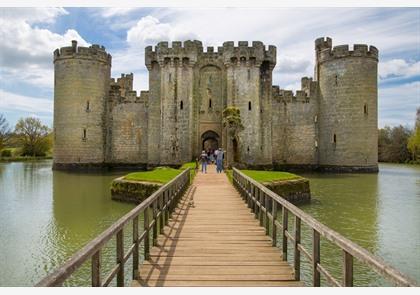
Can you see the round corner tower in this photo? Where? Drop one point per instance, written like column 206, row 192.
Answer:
column 348, row 116
column 81, row 87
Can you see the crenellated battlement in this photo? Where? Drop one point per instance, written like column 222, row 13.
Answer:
column 94, row 52
column 116, row 96
column 305, row 94
column 326, row 52
column 257, row 53
column 191, row 51
column 179, row 52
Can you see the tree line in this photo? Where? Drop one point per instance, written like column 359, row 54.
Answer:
column 30, row 137
column 400, row 144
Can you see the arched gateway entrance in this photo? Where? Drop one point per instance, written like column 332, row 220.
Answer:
column 210, row 140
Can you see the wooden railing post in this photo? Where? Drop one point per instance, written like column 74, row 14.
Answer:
column 120, row 258
column 161, row 217
column 297, row 252
column 155, row 225
column 267, row 223
column 347, row 269
column 96, row 269
column 256, row 193
column 284, row 229
column 260, row 211
column 273, row 224
column 136, row 247
column 146, row 237
column 316, row 253
column 168, row 197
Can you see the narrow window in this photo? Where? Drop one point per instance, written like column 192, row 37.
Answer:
column 336, row 80
column 249, row 106
column 181, row 105
column 170, row 77
column 210, row 103
column 88, row 106
column 249, row 74
column 365, row 109
column 335, row 139
column 248, row 149
column 84, row 134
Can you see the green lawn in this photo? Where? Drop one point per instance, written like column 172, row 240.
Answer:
column 160, row 175
column 190, row 165
column 267, row 176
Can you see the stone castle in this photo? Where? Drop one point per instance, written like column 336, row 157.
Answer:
column 330, row 124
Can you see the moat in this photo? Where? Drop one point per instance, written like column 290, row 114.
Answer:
column 48, row 215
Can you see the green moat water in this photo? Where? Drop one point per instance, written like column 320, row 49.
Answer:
column 48, row 215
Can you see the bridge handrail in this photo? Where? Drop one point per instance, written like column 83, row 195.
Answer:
column 258, row 198
column 162, row 202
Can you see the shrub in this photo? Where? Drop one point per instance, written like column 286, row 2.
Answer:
column 6, row 153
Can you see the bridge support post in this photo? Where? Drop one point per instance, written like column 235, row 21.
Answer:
column 161, row 217
column 284, row 229
column 120, row 258
column 347, row 269
column 136, row 247
column 297, row 252
column 155, row 230
column 260, row 211
column 96, row 269
column 273, row 224
column 146, row 237
column 316, row 259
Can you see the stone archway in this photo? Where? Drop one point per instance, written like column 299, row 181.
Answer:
column 210, row 140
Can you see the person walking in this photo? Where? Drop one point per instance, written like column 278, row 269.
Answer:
column 203, row 159
column 219, row 161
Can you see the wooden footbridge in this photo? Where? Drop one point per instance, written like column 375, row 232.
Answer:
column 211, row 233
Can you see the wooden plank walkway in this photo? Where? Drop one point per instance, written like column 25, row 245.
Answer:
column 215, row 242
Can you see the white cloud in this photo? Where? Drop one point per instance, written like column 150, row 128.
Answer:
column 398, row 68
column 398, row 104
column 32, row 14
column 149, row 31
column 11, row 101
column 26, row 55
column 116, row 11
column 287, row 64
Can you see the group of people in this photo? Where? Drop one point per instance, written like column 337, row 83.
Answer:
column 210, row 157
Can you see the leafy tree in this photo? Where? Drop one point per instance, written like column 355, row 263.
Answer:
column 32, row 136
column 232, row 120
column 392, row 144
column 413, row 144
column 4, row 132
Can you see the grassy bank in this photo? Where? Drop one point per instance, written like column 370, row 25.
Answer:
column 269, row 176
column 23, row 159
column 265, row 176
column 160, row 174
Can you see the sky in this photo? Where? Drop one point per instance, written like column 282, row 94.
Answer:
column 30, row 35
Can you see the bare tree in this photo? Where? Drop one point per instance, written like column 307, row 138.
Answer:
column 4, row 132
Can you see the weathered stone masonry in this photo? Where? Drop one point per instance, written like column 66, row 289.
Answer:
column 330, row 124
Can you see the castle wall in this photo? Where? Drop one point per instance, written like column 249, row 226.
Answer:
column 129, row 125
column 81, row 86
column 295, row 127
column 348, row 106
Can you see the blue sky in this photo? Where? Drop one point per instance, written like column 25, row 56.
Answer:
column 30, row 35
